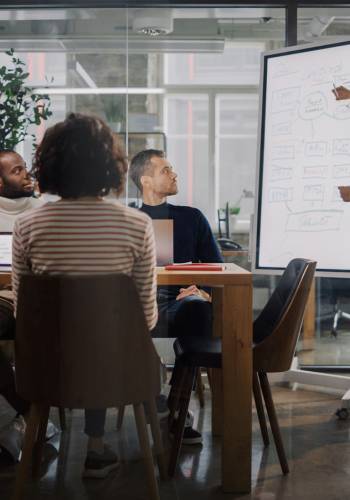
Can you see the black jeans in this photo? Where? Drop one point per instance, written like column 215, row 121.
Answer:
column 7, row 377
column 191, row 316
column 8, row 387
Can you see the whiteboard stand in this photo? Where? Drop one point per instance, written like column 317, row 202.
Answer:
column 303, row 156
column 328, row 380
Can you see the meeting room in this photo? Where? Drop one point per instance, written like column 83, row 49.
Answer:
column 174, row 250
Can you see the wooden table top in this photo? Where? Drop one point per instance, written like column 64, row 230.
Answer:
column 230, row 275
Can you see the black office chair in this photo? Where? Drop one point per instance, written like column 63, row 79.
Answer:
column 275, row 334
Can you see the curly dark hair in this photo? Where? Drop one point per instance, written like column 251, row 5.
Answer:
column 80, row 156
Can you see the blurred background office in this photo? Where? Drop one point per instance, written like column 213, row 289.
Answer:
column 185, row 80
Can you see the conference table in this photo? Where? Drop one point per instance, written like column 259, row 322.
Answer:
column 232, row 386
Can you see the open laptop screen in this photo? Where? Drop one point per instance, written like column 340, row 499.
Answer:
column 5, row 251
column 164, row 236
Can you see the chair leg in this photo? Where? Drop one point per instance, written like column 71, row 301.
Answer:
column 120, row 417
column 175, row 392
column 157, row 439
column 270, row 407
column 62, row 415
column 23, row 468
column 146, row 450
column 38, row 448
column 260, row 409
column 200, row 389
column 186, row 389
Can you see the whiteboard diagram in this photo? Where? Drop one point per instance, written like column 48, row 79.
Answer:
column 304, row 156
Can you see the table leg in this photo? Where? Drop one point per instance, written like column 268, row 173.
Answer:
column 237, row 388
column 216, row 375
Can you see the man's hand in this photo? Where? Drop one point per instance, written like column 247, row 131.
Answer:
column 193, row 290
column 341, row 93
column 344, row 192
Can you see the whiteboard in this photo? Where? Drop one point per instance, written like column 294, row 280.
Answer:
column 304, row 155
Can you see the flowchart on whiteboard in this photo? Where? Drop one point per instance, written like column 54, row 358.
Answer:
column 305, row 156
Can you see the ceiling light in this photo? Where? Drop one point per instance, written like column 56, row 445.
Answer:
column 153, row 22
column 100, row 90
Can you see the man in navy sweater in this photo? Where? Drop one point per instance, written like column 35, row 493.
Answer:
column 182, row 311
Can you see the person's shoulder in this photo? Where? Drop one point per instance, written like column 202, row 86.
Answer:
column 36, row 202
column 34, row 208
column 185, row 210
column 133, row 215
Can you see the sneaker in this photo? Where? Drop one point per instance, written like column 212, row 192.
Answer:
column 191, row 436
column 12, row 438
column 189, row 418
column 51, row 430
column 162, row 406
column 99, row 465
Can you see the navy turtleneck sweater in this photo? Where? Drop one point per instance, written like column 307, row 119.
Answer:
column 193, row 238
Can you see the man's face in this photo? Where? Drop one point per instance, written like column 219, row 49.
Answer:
column 162, row 180
column 15, row 181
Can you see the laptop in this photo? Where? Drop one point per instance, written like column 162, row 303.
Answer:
column 5, row 251
column 164, row 237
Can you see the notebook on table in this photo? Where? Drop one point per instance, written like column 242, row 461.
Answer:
column 195, row 267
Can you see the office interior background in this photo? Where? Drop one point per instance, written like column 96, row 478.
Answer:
column 190, row 87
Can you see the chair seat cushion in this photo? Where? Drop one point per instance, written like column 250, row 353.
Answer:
column 196, row 351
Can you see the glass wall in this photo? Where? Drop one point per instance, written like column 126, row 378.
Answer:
column 192, row 90
column 331, row 343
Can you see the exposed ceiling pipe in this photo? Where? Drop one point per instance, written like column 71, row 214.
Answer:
column 316, row 27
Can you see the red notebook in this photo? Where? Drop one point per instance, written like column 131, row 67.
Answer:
column 195, row 267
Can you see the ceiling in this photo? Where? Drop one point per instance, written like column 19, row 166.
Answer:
column 104, row 30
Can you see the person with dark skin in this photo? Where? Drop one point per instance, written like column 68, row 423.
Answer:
column 16, row 189
column 16, row 196
column 186, row 310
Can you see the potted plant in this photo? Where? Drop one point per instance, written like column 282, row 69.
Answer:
column 20, row 107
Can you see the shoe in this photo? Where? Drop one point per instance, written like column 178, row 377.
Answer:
column 12, row 438
column 51, row 430
column 99, row 465
column 189, row 418
column 192, row 436
column 162, row 406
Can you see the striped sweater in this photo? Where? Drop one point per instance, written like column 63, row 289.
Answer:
column 87, row 236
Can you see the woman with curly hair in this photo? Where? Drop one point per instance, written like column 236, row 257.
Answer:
column 82, row 233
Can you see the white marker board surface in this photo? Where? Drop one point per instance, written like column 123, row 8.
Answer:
column 304, row 155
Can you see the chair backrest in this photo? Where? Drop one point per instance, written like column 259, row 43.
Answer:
column 277, row 328
column 83, row 342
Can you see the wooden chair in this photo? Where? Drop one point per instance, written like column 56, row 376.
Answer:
column 7, row 335
column 78, row 340
column 276, row 332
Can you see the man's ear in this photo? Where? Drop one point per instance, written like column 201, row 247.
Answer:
column 145, row 181
column 1, row 185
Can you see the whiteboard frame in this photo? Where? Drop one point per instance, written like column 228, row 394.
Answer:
column 344, row 273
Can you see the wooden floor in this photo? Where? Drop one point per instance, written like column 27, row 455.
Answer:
column 317, row 446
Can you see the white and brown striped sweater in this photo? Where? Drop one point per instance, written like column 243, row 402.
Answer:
column 87, row 236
